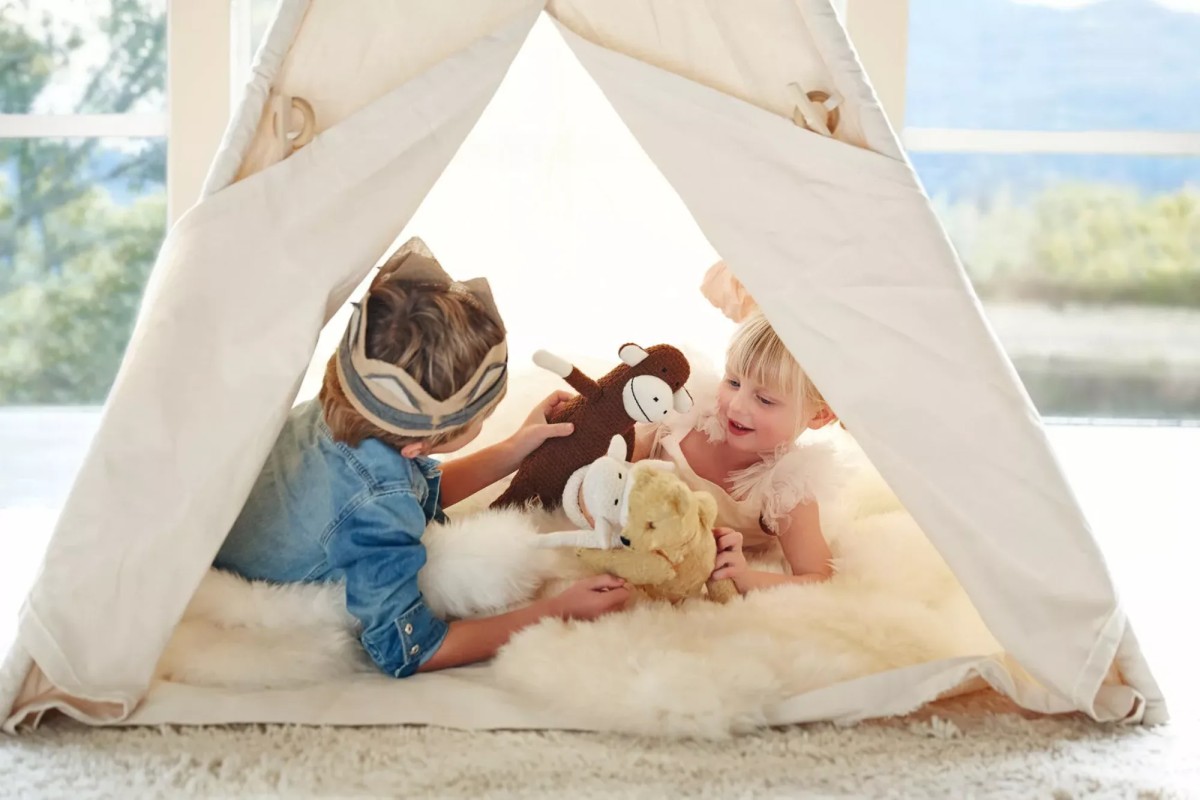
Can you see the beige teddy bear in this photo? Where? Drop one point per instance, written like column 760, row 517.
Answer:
column 669, row 549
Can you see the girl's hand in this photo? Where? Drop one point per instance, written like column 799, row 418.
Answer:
column 590, row 598
column 536, row 430
column 731, row 561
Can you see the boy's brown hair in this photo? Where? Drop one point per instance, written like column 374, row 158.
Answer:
column 436, row 335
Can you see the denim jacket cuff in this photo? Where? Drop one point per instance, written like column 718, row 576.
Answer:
column 399, row 649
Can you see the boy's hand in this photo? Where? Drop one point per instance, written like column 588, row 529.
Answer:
column 590, row 598
column 731, row 561
column 536, row 430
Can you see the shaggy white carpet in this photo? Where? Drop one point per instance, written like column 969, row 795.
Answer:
column 1003, row 756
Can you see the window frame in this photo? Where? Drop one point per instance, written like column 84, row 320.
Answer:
column 879, row 30
column 198, row 47
column 82, row 126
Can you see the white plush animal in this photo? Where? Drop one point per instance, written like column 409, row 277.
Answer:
column 599, row 490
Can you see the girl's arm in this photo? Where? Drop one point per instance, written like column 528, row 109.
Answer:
column 643, row 441
column 463, row 477
column 804, row 547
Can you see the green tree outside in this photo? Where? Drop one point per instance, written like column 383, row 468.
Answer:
column 1083, row 243
column 73, row 258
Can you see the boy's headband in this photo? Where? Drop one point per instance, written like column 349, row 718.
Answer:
column 387, row 395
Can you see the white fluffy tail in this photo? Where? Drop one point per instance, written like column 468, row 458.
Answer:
column 484, row 564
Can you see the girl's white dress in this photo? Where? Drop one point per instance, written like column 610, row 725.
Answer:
column 758, row 500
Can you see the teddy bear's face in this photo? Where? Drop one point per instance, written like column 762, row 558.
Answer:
column 665, row 515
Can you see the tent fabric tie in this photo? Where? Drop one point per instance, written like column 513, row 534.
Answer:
column 816, row 110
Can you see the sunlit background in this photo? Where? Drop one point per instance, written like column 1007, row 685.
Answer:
column 1059, row 142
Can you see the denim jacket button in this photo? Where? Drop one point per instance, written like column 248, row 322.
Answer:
column 408, row 629
column 416, row 648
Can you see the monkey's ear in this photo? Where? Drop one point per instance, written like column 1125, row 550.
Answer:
column 632, row 355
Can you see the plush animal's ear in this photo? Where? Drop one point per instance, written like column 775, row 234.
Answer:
column 617, row 448
column 678, row 497
column 708, row 509
column 632, row 355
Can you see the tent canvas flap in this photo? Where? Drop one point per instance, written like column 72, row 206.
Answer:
column 247, row 278
column 833, row 236
column 848, row 261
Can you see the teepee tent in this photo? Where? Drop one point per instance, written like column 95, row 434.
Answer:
column 758, row 116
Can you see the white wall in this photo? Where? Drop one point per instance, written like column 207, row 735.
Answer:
column 879, row 31
column 198, row 77
column 584, row 242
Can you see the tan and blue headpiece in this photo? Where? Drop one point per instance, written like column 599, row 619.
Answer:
column 387, row 395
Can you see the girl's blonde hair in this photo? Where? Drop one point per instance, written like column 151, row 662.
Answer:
column 757, row 353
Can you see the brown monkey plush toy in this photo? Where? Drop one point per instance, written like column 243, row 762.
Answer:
column 644, row 388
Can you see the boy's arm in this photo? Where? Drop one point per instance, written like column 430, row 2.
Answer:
column 378, row 548
column 463, row 477
column 472, row 640
column 635, row 567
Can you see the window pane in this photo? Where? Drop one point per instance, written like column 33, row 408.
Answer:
column 1054, row 64
column 1088, row 265
column 261, row 14
column 81, row 221
column 1089, row 268
column 75, row 57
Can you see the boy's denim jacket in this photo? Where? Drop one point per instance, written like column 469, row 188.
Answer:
column 324, row 511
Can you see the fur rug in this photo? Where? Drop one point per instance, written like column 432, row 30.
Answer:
column 699, row 669
column 254, row 635
column 708, row 670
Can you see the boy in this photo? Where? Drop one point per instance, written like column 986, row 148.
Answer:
column 348, row 488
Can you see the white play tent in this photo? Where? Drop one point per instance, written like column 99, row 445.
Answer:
column 830, row 232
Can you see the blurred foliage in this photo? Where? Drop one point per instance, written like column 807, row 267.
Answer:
column 1082, row 243
column 81, row 220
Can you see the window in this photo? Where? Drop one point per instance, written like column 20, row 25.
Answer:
column 82, row 215
column 248, row 25
column 1060, row 142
